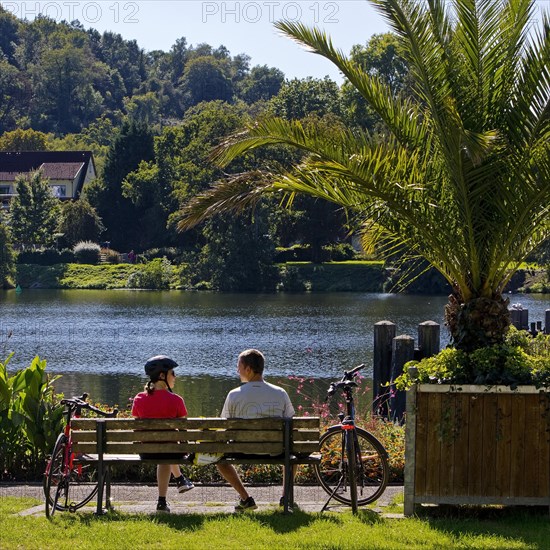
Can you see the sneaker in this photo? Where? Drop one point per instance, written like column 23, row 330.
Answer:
column 163, row 507
column 183, row 484
column 247, row 504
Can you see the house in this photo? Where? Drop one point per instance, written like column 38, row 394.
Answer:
column 67, row 171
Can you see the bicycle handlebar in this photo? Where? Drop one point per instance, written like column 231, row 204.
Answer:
column 346, row 381
column 76, row 403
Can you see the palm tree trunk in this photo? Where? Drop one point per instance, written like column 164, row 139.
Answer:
column 477, row 323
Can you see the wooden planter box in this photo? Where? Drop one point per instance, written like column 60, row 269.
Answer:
column 477, row 445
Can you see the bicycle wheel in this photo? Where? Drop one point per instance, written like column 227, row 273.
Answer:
column 371, row 466
column 67, row 488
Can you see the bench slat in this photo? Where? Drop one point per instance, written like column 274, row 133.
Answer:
column 305, row 422
column 206, row 447
column 175, row 436
column 181, row 423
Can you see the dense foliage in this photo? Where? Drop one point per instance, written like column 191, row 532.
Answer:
column 60, row 78
column 33, row 211
column 7, row 257
column 521, row 360
column 30, row 420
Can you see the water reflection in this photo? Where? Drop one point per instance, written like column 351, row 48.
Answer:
column 99, row 340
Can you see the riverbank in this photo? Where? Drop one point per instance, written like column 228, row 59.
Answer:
column 352, row 276
column 348, row 276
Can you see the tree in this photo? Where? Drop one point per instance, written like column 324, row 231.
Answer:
column 11, row 92
column 381, row 57
column 262, row 83
column 299, row 98
column 206, row 79
column 119, row 215
column 238, row 254
column 462, row 176
column 33, row 211
column 7, row 259
column 79, row 221
column 24, row 140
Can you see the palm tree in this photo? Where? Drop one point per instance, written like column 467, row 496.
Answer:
column 461, row 176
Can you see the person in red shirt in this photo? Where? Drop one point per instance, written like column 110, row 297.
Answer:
column 157, row 400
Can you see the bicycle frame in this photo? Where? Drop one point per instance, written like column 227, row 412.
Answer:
column 354, row 459
column 68, row 467
column 350, row 441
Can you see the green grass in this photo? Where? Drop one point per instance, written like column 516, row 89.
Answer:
column 377, row 263
column 72, row 276
column 496, row 529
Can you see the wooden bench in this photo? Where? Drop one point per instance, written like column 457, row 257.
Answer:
column 111, row 441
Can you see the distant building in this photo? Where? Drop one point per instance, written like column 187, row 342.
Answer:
column 67, row 171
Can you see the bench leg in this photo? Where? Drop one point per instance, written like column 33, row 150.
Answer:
column 108, row 505
column 288, row 488
column 100, row 486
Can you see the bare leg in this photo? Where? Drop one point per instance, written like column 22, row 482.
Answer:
column 232, row 477
column 175, row 469
column 163, row 478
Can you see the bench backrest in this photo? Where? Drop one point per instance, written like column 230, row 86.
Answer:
column 186, row 435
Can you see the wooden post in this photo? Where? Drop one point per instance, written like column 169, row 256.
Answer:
column 384, row 333
column 547, row 321
column 520, row 318
column 428, row 339
column 410, row 457
column 402, row 351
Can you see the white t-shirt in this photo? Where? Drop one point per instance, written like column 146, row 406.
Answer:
column 257, row 400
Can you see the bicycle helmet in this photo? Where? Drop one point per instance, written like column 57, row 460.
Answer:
column 158, row 364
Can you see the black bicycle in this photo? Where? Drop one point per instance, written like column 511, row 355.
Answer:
column 354, row 467
column 68, row 485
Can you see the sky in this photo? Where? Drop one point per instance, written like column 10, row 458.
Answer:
column 241, row 26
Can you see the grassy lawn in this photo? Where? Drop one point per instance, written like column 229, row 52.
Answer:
column 494, row 529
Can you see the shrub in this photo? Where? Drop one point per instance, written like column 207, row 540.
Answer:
column 49, row 256
column 30, row 420
column 170, row 253
column 291, row 280
column 111, row 256
column 87, row 252
column 521, row 360
column 341, row 252
column 156, row 275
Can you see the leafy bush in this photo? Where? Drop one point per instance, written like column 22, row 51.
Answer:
column 49, row 256
column 521, row 360
column 341, row 252
column 87, row 252
column 156, row 275
column 295, row 253
column 30, row 420
column 111, row 256
column 169, row 252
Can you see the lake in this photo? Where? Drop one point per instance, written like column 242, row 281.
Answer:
column 99, row 340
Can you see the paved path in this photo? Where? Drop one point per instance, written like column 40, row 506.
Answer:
column 200, row 500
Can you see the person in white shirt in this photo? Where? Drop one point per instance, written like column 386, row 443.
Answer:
column 256, row 398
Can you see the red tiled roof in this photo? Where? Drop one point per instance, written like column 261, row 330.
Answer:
column 8, row 176
column 61, row 170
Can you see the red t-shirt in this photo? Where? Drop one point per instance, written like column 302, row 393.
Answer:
column 159, row 404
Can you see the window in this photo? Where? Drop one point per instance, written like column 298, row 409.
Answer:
column 59, row 191
column 4, row 189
